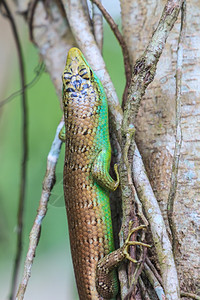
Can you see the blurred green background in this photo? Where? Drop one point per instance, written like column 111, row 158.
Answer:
column 52, row 272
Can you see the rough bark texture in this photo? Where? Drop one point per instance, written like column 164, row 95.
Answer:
column 156, row 125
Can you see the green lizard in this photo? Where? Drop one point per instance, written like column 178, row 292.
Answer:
column 87, row 181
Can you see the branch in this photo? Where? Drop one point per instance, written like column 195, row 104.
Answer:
column 31, row 12
column 190, row 295
column 122, row 43
column 153, row 269
column 98, row 26
column 134, row 276
column 128, row 194
column 23, row 177
column 158, row 228
column 154, row 282
column 143, row 290
column 139, row 210
column 178, row 142
column 48, row 183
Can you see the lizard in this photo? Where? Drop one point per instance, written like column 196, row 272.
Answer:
column 87, row 182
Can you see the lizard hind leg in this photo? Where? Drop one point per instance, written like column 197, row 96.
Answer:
column 106, row 279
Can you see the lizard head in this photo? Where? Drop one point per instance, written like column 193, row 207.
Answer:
column 82, row 91
column 77, row 75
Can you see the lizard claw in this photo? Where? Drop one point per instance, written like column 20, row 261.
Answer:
column 132, row 243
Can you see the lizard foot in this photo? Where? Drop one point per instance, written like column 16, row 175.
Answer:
column 133, row 243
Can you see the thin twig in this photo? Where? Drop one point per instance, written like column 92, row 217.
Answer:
column 155, row 283
column 122, row 43
column 135, row 276
column 98, row 26
column 145, row 294
column 31, row 12
column 127, row 187
column 139, row 209
column 38, row 70
column 178, row 142
column 129, row 196
column 153, row 269
column 23, row 177
column 140, row 265
column 128, row 202
column 136, row 269
column 190, row 295
column 48, row 183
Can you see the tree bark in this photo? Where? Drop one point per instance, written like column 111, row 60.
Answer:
column 156, row 130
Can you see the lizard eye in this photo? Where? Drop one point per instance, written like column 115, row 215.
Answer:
column 67, row 77
column 84, row 73
column 70, row 90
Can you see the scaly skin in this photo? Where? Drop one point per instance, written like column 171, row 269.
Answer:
column 86, row 175
column 87, row 182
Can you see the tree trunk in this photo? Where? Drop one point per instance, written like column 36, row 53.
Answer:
column 156, row 130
